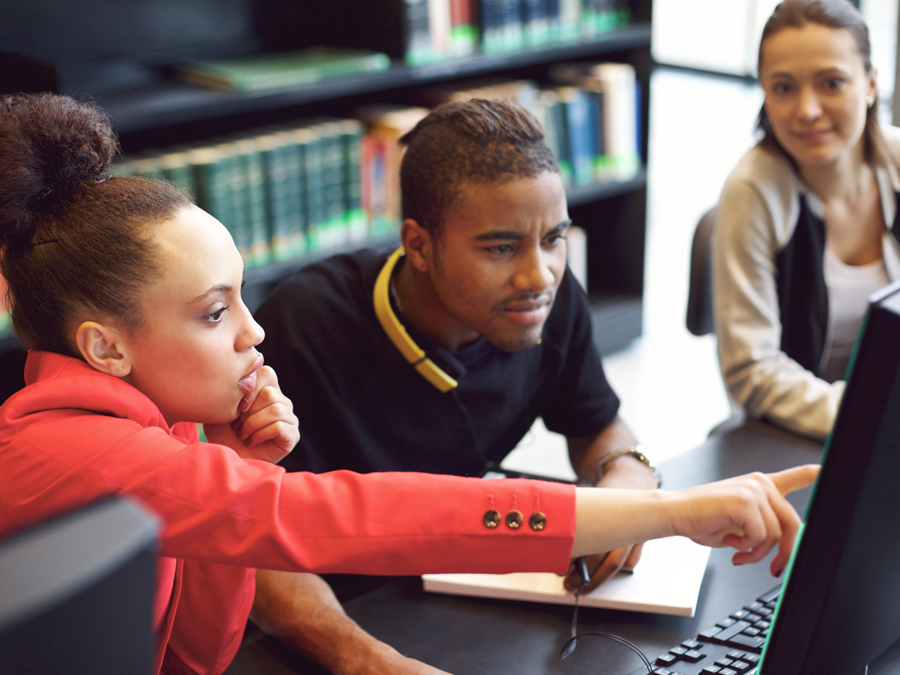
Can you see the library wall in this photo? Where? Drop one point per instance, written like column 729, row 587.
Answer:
column 288, row 134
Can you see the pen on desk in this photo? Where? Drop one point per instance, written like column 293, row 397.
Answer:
column 582, row 569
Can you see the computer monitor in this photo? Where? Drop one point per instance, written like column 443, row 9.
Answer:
column 77, row 593
column 839, row 610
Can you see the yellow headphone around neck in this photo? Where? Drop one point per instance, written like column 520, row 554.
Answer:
column 396, row 331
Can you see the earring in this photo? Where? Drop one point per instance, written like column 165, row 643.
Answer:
column 870, row 101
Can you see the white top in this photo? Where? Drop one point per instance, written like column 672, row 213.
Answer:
column 849, row 288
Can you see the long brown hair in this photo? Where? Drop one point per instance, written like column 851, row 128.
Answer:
column 831, row 14
column 73, row 241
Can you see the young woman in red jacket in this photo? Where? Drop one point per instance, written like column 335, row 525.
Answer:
column 128, row 299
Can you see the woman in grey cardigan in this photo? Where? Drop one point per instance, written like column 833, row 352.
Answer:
column 805, row 225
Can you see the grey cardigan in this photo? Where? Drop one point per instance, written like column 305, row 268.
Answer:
column 769, row 293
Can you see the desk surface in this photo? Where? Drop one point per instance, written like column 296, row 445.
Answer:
column 479, row 636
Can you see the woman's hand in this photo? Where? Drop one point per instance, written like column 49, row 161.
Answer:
column 749, row 513
column 266, row 428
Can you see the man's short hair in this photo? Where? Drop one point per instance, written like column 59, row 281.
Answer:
column 468, row 142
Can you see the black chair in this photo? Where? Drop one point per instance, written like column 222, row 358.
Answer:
column 699, row 318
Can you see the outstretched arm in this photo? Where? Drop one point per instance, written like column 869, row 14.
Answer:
column 302, row 611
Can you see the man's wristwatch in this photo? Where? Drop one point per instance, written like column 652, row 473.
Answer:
column 636, row 451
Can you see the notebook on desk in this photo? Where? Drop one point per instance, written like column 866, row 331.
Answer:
column 666, row 581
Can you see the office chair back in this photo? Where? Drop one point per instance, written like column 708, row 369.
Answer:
column 699, row 318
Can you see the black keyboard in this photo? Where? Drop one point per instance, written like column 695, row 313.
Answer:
column 731, row 647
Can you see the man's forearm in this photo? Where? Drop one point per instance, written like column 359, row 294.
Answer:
column 586, row 450
column 302, row 611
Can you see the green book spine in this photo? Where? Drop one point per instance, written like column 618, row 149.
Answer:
column 248, row 155
column 212, row 184
column 281, row 70
column 295, row 196
column 334, row 231
column 237, row 181
column 275, row 179
column 176, row 167
column 314, row 186
column 354, row 215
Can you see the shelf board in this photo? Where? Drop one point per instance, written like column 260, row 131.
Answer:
column 166, row 102
column 577, row 195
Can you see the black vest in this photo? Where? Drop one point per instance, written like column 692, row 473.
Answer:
column 802, row 293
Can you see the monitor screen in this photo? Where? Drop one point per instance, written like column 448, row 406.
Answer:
column 78, row 592
column 840, row 606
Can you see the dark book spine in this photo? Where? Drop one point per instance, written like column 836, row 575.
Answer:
column 419, row 49
column 577, row 116
column 295, row 195
column 491, row 36
column 511, row 26
column 355, row 217
column 314, row 184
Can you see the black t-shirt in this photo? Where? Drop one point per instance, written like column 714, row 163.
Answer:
column 363, row 407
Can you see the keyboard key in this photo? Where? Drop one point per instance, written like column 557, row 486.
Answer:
column 771, row 596
column 691, row 644
column 752, row 618
column 736, row 654
column 711, row 670
column 751, row 658
column 693, row 655
column 728, row 671
column 740, row 614
column 751, row 631
column 754, row 606
column 665, row 659
column 754, row 644
column 679, row 651
column 708, row 634
column 723, row 662
column 735, row 629
column 740, row 666
column 724, row 623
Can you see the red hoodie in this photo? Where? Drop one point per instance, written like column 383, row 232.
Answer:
column 74, row 435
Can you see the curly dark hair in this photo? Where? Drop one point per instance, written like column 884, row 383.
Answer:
column 72, row 239
column 468, row 142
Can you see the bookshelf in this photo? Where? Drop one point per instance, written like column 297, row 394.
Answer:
column 150, row 111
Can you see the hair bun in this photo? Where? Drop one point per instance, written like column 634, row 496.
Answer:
column 48, row 145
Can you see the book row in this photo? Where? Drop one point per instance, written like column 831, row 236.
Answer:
column 325, row 183
column 440, row 29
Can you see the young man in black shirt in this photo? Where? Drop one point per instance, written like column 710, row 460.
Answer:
column 439, row 356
